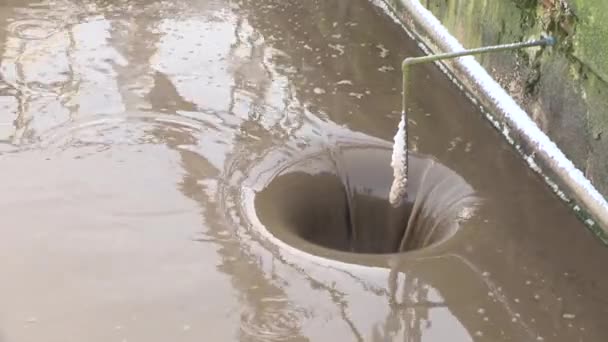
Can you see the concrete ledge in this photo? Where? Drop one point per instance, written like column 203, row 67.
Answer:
column 542, row 154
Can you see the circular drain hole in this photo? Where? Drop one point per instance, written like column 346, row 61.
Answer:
column 339, row 200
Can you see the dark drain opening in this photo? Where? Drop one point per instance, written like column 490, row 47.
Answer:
column 340, row 201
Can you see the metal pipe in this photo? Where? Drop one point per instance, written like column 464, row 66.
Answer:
column 399, row 160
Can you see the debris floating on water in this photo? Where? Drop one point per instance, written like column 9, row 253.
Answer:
column 568, row 316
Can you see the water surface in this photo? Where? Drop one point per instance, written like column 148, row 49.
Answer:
column 132, row 133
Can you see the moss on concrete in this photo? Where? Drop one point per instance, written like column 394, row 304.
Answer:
column 559, row 98
column 596, row 94
column 485, row 22
column 591, row 37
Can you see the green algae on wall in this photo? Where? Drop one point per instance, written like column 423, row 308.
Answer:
column 591, row 37
column 486, row 22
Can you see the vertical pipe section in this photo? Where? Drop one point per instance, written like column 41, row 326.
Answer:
column 399, row 160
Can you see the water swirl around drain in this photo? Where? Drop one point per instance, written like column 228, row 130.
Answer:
column 338, row 200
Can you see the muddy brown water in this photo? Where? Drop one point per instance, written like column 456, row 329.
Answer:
column 139, row 139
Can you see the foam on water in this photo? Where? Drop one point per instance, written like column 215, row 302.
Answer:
column 399, row 164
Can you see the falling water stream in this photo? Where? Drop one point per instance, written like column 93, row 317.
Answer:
column 206, row 170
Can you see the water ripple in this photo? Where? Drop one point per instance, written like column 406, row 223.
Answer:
column 270, row 324
column 110, row 129
column 33, row 29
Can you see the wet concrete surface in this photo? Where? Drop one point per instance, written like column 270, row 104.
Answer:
column 136, row 136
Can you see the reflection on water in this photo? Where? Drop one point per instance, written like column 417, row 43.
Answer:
column 132, row 133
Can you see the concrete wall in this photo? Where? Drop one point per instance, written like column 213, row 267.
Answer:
column 566, row 90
